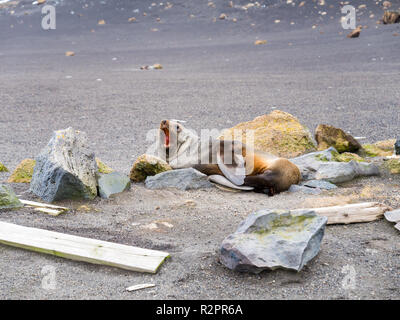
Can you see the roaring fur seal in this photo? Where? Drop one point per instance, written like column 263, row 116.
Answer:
column 227, row 162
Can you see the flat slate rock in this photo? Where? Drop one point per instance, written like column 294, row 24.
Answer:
column 113, row 183
column 304, row 189
column 393, row 216
column 320, row 184
column 66, row 168
column 183, row 179
column 8, row 199
column 271, row 239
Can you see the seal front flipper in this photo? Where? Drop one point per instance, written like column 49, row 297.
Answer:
column 221, row 180
column 231, row 162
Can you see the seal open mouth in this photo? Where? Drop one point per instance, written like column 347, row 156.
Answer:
column 166, row 132
column 164, row 126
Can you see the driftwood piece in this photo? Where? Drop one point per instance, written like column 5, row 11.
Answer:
column 351, row 213
column 82, row 249
column 140, row 286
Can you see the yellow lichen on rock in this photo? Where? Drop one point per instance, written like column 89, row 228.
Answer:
column 103, row 168
column 278, row 133
column 23, row 172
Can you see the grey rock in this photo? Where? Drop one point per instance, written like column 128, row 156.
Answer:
column 66, row 168
column 319, row 166
column 271, row 239
column 336, row 172
column 365, row 168
column 304, row 189
column 320, row 184
column 397, row 147
column 310, row 162
column 393, row 216
column 183, row 179
column 113, row 183
column 8, row 199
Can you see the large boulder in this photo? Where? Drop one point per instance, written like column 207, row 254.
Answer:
column 278, row 133
column 66, row 168
column 3, row 168
column 8, row 199
column 329, row 136
column 113, row 183
column 23, row 172
column 183, row 179
column 147, row 165
column 271, row 239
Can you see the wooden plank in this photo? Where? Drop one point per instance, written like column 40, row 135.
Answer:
column 42, row 205
column 82, row 249
column 140, row 286
column 49, row 211
column 351, row 213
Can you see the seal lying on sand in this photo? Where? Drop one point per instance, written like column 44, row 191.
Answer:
column 229, row 163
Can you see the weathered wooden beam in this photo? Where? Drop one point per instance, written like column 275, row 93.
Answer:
column 42, row 205
column 351, row 213
column 82, row 249
column 140, row 286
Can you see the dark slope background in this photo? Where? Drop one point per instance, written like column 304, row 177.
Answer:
column 213, row 76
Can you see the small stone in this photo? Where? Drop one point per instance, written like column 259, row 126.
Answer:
column 258, row 42
column 183, row 179
column 147, row 165
column 390, row 17
column 23, row 172
column 329, row 136
column 101, row 22
column 69, row 53
column 355, row 33
column 271, row 239
column 113, row 183
column 387, row 4
column 8, row 199
column 397, row 147
column 223, row 16
column 393, row 216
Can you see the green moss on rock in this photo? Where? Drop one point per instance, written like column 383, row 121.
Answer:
column 3, row 168
column 278, row 133
column 147, row 165
column 346, row 157
column 379, row 149
column 393, row 165
column 329, row 136
column 8, row 199
column 23, row 172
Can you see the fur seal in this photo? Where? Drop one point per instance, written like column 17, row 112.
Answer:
column 228, row 162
